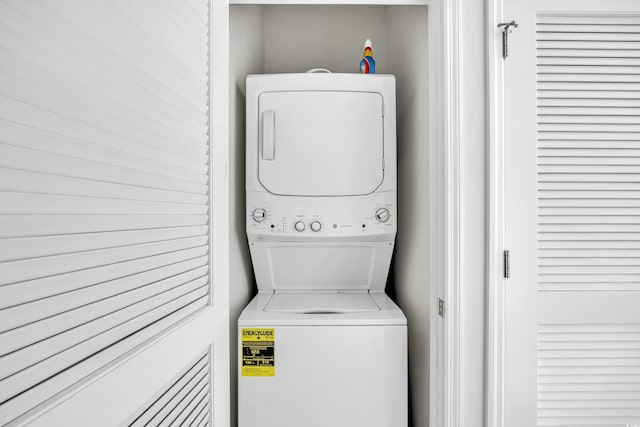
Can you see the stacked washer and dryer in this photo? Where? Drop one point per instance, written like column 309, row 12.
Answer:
column 321, row 344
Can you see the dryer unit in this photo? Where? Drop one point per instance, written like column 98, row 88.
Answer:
column 321, row 344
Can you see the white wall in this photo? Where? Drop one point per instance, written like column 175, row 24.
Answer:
column 408, row 56
column 299, row 38
column 246, row 56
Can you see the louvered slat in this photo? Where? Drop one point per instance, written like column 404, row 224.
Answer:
column 109, row 329
column 98, row 299
column 104, row 183
column 35, row 161
column 588, row 213
column 86, row 19
column 31, row 247
column 33, row 268
column 588, row 374
column 66, row 137
column 56, row 333
column 588, row 152
column 184, row 408
column 37, row 182
column 12, row 226
column 545, row 76
column 21, row 292
column 196, row 412
column 186, row 401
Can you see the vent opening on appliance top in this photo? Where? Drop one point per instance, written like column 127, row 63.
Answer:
column 321, row 312
column 321, row 302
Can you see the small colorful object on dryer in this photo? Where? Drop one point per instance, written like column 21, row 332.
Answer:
column 368, row 64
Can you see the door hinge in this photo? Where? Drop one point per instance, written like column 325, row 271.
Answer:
column 506, row 266
column 506, row 29
column 442, row 308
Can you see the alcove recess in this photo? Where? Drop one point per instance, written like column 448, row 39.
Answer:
column 286, row 38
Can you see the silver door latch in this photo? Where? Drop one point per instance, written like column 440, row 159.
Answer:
column 506, row 260
column 506, row 29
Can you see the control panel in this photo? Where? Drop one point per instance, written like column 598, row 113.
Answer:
column 307, row 217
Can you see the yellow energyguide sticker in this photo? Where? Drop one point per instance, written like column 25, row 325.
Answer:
column 258, row 356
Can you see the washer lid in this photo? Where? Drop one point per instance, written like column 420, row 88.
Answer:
column 321, row 302
column 320, row 143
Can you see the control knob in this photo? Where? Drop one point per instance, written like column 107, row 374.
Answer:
column 259, row 215
column 299, row 226
column 316, row 226
column 383, row 215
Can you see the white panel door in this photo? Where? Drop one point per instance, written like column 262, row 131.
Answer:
column 109, row 305
column 572, row 210
column 319, row 143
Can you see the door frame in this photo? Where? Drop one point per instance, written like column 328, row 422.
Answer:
column 445, row 215
column 219, row 183
column 495, row 218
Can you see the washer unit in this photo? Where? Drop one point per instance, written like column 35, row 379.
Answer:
column 321, row 344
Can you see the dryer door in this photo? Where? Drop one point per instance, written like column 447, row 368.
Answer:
column 321, row 143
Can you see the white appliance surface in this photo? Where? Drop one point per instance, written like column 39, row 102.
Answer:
column 321, row 302
column 257, row 314
column 321, row 226
column 321, row 180
column 340, row 218
column 323, row 265
column 320, row 143
column 344, row 369
column 330, row 376
column 321, row 134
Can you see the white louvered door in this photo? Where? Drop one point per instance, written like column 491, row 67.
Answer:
column 572, row 212
column 107, row 303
